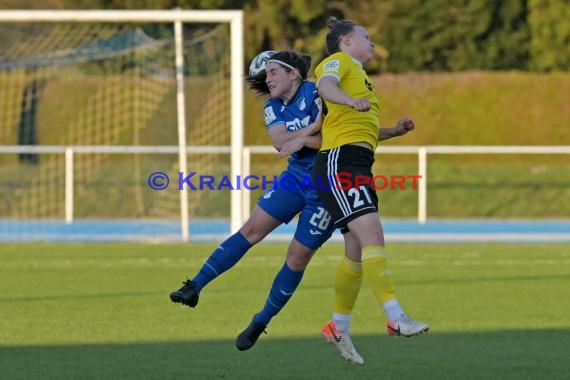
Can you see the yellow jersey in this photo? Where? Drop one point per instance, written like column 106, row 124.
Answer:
column 343, row 124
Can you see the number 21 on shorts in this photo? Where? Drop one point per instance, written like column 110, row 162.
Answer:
column 355, row 195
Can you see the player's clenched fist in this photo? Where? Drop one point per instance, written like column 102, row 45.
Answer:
column 361, row 105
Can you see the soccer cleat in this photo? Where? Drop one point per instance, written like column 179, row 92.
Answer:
column 247, row 338
column 186, row 295
column 342, row 342
column 405, row 326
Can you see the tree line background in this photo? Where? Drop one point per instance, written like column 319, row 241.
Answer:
column 410, row 35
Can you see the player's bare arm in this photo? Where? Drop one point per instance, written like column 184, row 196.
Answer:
column 403, row 126
column 295, row 145
column 329, row 90
column 280, row 135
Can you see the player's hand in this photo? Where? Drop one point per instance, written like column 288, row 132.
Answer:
column 292, row 146
column 404, row 126
column 361, row 105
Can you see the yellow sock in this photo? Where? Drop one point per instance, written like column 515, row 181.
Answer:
column 347, row 285
column 377, row 274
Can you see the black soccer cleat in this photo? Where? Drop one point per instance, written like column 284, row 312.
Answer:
column 247, row 338
column 186, row 295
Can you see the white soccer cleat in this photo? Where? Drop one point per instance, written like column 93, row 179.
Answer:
column 342, row 342
column 406, row 326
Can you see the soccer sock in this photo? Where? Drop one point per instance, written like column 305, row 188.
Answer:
column 222, row 259
column 341, row 322
column 347, row 285
column 377, row 274
column 392, row 309
column 281, row 291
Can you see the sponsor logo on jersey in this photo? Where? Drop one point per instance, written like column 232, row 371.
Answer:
column 319, row 104
column 332, row 66
column 296, row 124
column 269, row 115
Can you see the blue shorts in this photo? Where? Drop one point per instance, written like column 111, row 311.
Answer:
column 315, row 224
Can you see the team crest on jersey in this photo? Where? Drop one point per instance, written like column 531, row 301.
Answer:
column 269, row 115
column 302, row 104
column 332, row 66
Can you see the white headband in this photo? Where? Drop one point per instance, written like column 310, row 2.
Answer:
column 281, row 63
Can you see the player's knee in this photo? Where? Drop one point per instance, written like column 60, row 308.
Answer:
column 298, row 258
column 251, row 233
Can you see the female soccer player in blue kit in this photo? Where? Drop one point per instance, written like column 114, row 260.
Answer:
column 292, row 113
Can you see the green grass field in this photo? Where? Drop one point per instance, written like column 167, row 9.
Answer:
column 98, row 311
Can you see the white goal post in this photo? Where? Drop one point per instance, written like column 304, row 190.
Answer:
column 177, row 17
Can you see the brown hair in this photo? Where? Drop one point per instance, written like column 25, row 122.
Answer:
column 301, row 62
column 338, row 29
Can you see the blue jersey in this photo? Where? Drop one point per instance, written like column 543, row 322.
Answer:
column 298, row 113
column 314, row 226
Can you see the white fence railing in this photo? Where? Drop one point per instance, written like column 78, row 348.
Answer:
column 422, row 153
column 244, row 197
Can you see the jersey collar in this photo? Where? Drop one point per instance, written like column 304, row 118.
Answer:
column 357, row 62
column 295, row 95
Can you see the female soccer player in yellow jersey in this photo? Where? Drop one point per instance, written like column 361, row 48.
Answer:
column 350, row 134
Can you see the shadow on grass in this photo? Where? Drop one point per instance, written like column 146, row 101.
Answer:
column 521, row 354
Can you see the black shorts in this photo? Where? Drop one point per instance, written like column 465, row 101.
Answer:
column 343, row 180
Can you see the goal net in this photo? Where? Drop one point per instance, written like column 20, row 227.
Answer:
column 87, row 87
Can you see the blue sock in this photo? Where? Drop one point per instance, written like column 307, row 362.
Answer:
column 222, row 259
column 282, row 289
